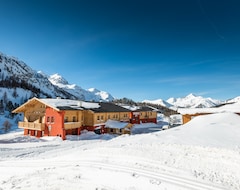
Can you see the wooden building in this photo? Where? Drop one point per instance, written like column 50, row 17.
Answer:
column 189, row 113
column 61, row 117
column 143, row 114
column 95, row 118
column 117, row 127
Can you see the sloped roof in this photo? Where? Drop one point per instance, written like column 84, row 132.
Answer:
column 145, row 108
column 109, row 107
column 58, row 104
column 115, row 124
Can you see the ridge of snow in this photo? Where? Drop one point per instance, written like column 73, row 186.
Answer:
column 46, row 86
column 193, row 101
column 236, row 99
column 158, row 102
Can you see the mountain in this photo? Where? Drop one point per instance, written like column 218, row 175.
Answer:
column 19, row 82
column 193, row 101
column 189, row 101
column 101, row 95
column 91, row 94
column 236, row 99
column 158, row 102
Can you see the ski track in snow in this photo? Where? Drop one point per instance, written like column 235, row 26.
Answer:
column 153, row 177
column 190, row 157
column 89, row 160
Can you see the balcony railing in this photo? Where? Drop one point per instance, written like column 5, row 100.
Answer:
column 72, row 125
column 31, row 125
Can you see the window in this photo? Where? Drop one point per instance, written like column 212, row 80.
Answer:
column 102, row 117
column 52, row 119
column 98, row 117
column 108, row 116
column 66, row 119
column 74, row 119
column 48, row 119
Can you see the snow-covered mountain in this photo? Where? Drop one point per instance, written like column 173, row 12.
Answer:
column 193, row 101
column 91, row 94
column 158, row 102
column 101, row 95
column 189, row 101
column 19, row 82
column 236, row 99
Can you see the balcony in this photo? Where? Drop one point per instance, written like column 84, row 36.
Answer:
column 31, row 126
column 72, row 125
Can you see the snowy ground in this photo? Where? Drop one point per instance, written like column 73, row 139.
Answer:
column 201, row 155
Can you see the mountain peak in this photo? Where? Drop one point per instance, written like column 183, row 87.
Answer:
column 93, row 90
column 191, row 95
column 193, row 101
column 158, row 102
column 58, row 79
column 15, row 74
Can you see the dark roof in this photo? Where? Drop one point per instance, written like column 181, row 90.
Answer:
column 145, row 108
column 109, row 107
column 67, row 108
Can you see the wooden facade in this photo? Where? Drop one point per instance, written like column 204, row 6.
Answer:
column 43, row 119
column 190, row 113
column 59, row 117
column 143, row 115
column 188, row 117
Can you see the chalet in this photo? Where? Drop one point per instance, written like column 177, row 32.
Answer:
column 190, row 113
column 142, row 114
column 95, row 118
column 52, row 117
column 117, row 127
column 61, row 117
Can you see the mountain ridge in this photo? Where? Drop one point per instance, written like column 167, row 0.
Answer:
column 191, row 101
column 18, row 76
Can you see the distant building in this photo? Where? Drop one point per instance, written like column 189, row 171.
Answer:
column 61, row 117
column 190, row 113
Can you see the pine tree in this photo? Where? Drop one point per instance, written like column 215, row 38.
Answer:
column 14, row 94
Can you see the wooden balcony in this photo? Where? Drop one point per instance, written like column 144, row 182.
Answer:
column 72, row 125
column 31, row 126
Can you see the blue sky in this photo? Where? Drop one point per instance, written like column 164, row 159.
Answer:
column 140, row 49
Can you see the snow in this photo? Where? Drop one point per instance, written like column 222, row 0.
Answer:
column 91, row 94
column 158, row 102
column 202, row 154
column 115, row 124
column 130, row 107
column 233, row 107
column 71, row 103
column 193, row 101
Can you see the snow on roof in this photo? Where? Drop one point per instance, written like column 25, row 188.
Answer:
column 234, row 108
column 139, row 108
column 74, row 104
column 115, row 124
column 130, row 107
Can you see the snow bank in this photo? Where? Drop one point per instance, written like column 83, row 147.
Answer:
column 215, row 130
